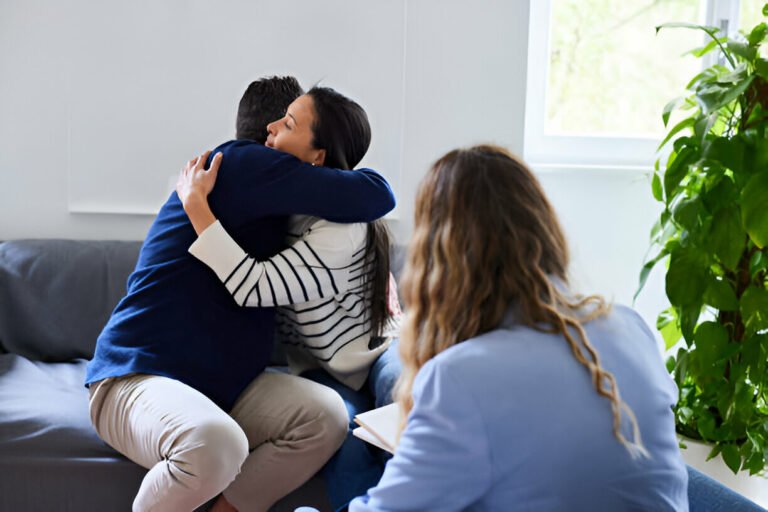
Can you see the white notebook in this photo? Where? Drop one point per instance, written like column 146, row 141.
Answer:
column 379, row 426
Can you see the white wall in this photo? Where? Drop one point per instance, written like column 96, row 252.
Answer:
column 433, row 74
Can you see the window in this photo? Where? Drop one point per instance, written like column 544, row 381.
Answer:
column 606, row 74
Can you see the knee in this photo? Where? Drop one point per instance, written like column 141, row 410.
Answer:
column 331, row 417
column 215, row 452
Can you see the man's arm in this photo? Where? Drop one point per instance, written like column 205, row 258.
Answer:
column 256, row 182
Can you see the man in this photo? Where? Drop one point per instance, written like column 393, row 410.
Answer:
column 178, row 353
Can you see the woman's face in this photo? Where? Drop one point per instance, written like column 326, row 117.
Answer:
column 293, row 132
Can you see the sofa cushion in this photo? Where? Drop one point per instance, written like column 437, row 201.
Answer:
column 50, row 456
column 56, row 295
column 45, row 411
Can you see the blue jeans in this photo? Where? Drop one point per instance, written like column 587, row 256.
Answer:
column 357, row 466
column 708, row 495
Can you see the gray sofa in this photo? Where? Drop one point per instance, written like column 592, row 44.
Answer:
column 55, row 296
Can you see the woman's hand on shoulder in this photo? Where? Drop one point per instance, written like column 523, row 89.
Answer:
column 193, row 186
column 195, row 182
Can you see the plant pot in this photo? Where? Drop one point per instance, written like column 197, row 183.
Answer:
column 754, row 487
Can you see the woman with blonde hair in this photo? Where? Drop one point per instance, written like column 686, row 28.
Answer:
column 519, row 393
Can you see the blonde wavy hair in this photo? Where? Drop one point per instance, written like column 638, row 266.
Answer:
column 485, row 238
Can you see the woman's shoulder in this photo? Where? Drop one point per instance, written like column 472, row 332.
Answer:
column 334, row 234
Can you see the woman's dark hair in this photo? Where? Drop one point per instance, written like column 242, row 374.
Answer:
column 341, row 128
column 264, row 101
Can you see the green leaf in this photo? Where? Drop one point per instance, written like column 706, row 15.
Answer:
column 667, row 325
column 714, row 452
column 755, row 463
column 707, row 75
column 676, row 170
column 765, row 10
column 703, row 50
column 714, row 97
column 758, row 34
column 754, row 308
column 757, row 263
column 753, row 351
column 688, row 122
column 681, row 367
column 704, row 125
column 761, row 67
column 710, row 31
column 706, row 424
column 732, row 457
column 720, row 295
column 727, row 238
column 711, row 340
column 686, row 278
column 727, row 151
column 686, row 213
column 721, row 195
column 743, row 50
column 658, row 192
column 689, row 317
column 669, row 107
column 646, row 270
column 754, row 213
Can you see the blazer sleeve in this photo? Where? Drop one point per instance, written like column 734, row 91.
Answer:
column 443, row 459
column 256, row 182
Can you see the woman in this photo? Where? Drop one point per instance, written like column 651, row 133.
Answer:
column 518, row 393
column 334, row 278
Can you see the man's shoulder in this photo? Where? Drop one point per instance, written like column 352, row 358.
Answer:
column 245, row 148
column 253, row 157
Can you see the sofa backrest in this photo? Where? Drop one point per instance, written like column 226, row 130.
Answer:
column 56, row 295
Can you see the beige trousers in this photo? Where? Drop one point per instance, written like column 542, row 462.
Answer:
column 280, row 432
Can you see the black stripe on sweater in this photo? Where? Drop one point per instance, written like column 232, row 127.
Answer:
column 271, row 289
column 301, row 283
column 313, row 322
column 355, row 278
column 341, row 320
column 285, row 285
column 245, row 258
column 330, row 275
column 317, row 281
column 341, row 345
column 242, row 282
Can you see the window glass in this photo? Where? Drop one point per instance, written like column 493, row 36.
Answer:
column 751, row 13
column 609, row 72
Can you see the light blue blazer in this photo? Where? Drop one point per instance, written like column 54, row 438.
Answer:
column 510, row 421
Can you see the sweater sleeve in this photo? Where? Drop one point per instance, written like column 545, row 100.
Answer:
column 317, row 266
column 256, row 182
column 443, row 459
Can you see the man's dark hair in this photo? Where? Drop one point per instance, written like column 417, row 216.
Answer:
column 264, row 101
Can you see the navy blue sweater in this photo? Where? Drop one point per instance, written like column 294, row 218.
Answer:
column 177, row 320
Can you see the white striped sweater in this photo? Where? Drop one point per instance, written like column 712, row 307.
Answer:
column 320, row 279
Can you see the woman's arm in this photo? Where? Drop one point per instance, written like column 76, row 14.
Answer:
column 322, row 264
column 443, row 459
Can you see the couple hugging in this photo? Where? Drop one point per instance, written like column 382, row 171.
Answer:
column 287, row 244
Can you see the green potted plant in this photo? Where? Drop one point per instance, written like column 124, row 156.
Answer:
column 713, row 235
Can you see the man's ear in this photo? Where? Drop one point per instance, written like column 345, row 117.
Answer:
column 319, row 157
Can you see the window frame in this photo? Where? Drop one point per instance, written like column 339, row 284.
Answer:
column 618, row 151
